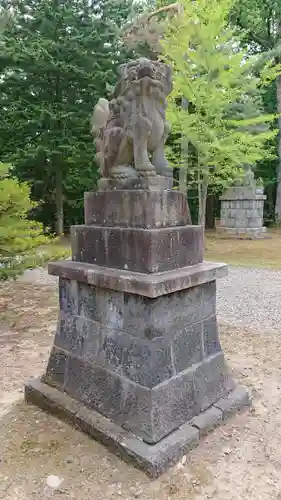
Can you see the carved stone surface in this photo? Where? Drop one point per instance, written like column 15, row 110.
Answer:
column 132, row 126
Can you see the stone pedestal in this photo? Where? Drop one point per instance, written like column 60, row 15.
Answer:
column 242, row 212
column 136, row 360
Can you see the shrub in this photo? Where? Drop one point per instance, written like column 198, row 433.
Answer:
column 22, row 241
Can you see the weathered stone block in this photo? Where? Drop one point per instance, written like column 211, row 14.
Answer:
column 240, row 223
column 173, row 403
column 254, row 222
column 170, row 313
column 208, row 302
column 95, row 387
column 153, row 415
column 230, row 222
column 252, row 214
column 77, row 335
column 137, row 412
column 101, row 304
column 146, row 362
column 51, row 399
column 136, row 209
column 212, row 381
column 234, row 402
column 187, row 347
column 87, row 306
column 211, row 340
column 110, row 308
column 56, row 369
column 207, row 421
column 141, row 250
column 68, row 296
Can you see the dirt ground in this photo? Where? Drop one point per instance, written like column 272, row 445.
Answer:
column 241, row 460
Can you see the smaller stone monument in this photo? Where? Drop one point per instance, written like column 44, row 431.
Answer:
column 136, row 360
column 242, row 209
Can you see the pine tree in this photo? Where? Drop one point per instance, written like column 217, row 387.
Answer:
column 20, row 237
column 58, row 58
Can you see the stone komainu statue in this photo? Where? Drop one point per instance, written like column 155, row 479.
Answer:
column 131, row 128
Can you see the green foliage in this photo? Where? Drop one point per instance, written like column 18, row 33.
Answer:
column 19, row 236
column 58, row 57
column 259, row 22
column 224, row 121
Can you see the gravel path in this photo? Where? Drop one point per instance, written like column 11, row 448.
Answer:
column 250, row 298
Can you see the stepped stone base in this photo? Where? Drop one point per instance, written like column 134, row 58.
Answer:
column 152, row 459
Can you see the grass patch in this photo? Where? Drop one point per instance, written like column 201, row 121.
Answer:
column 264, row 253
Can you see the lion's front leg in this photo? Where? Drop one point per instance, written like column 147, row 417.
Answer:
column 142, row 131
column 159, row 159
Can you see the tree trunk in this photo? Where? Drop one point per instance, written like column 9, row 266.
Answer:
column 210, row 215
column 182, row 179
column 59, row 204
column 278, row 193
column 184, row 164
column 202, row 198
